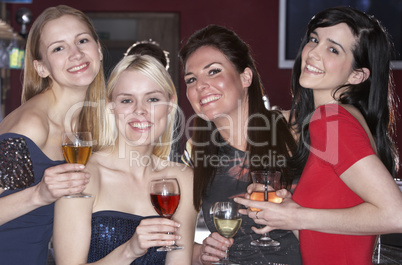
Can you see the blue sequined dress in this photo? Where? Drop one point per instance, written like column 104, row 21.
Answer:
column 111, row 229
column 25, row 239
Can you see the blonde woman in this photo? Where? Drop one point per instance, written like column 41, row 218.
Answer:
column 119, row 225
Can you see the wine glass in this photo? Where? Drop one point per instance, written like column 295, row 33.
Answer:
column 271, row 181
column 165, row 197
column 227, row 222
column 77, row 148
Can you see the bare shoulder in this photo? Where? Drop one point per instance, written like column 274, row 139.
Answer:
column 27, row 120
column 180, row 171
column 285, row 114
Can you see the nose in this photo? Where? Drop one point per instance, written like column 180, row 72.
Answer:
column 140, row 109
column 202, row 84
column 76, row 53
column 315, row 53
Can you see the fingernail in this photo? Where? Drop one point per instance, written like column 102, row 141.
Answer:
column 81, row 166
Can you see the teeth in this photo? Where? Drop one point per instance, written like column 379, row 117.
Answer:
column 77, row 68
column 209, row 99
column 141, row 125
column 313, row 69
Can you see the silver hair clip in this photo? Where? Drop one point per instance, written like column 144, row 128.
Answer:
column 150, row 41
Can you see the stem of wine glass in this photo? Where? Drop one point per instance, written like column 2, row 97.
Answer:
column 266, row 199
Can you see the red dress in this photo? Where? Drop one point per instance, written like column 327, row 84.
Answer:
column 337, row 142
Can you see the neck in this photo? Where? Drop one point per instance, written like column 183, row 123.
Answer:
column 233, row 129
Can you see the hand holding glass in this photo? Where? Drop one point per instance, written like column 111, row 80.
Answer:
column 271, row 181
column 77, row 148
column 165, row 197
column 227, row 222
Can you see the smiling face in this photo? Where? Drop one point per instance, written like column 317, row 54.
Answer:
column 327, row 61
column 70, row 55
column 141, row 108
column 214, row 88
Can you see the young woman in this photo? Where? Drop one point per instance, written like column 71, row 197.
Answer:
column 119, row 225
column 62, row 63
column 232, row 134
column 344, row 108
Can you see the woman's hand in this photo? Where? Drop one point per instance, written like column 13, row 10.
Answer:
column 272, row 215
column 152, row 232
column 61, row 180
column 214, row 248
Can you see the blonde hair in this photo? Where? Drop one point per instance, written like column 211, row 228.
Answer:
column 154, row 70
column 34, row 84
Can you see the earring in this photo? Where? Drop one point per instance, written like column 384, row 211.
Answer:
column 266, row 102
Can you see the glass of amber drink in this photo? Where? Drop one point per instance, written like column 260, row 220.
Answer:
column 77, row 148
column 271, row 183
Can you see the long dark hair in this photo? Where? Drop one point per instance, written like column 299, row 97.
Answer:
column 238, row 52
column 374, row 97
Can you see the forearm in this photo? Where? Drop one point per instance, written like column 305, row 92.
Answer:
column 197, row 254
column 363, row 219
column 17, row 204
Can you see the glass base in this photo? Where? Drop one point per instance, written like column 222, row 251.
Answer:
column 265, row 241
column 78, row 195
column 169, row 248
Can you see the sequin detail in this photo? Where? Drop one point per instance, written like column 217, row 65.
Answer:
column 111, row 229
column 16, row 170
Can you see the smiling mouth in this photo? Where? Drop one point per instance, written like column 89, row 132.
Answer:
column 209, row 99
column 313, row 69
column 141, row 125
column 77, row 68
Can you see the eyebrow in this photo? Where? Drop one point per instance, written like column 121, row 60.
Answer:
column 61, row 41
column 336, row 43
column 205, row 67
column 330, row 40
column 148, row 93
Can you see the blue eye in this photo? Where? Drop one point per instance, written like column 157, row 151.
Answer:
column 125, row 101
column 153, row 100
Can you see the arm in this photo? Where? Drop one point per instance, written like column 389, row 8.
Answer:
column 72, row 235
column 57, row 181
column 379, row 213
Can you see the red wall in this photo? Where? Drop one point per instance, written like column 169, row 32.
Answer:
column 255, row 21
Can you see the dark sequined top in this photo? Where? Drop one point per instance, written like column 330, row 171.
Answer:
column 24, row 240
column 111, row 229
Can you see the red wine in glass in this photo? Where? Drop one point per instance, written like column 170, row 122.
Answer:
column 165, row 197
column 165, row 205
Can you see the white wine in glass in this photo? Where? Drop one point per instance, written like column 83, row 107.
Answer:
column 227, row 222
column 165, row 197
column 77, row 148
